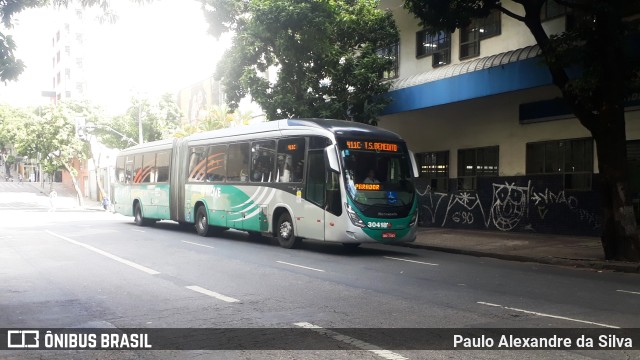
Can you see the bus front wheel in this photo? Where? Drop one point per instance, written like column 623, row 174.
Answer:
column 285, row 232
column 202, row 222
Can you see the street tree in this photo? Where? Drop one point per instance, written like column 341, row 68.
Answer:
column 305, row 58
column 51, row 137
column 160, row 120
column 217, row 117
column 599, row 45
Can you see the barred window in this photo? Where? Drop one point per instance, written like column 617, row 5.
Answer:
column 436, row 44
column 572, row 158
column 476, row 162
column 478, row 30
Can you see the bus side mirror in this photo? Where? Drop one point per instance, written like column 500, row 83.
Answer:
column 331, row 158
column 414, row 164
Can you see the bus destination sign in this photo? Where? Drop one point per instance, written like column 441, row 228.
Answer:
column 372, row 145
column 368, row 186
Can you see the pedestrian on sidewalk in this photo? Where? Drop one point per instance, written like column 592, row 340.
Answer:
column 20, row 178
column 106, row 203
column 52, row 200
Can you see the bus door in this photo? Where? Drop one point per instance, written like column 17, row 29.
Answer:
column 313, row 221
column 122, row 194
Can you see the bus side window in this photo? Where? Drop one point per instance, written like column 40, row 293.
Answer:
column 137, row 169
column 238, row 162
column 290, row 160
column 215, row 163
column 162, row 166
column 263, row 154
column 120, row 174
column 148, row 171
column 197, row 164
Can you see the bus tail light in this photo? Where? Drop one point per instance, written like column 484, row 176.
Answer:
column 355, row 219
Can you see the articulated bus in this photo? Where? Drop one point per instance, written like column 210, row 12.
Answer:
column 318, row 179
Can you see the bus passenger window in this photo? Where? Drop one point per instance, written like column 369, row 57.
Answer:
column 263, row 155
column 197, row 164
column 215, row 163
column 238, row 162
column 162, row 166
column 148, row 171
column 137, row 169
column 290, row 160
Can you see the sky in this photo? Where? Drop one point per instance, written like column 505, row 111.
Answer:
column 152, row 49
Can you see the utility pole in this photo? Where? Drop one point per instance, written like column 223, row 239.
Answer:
column 139, row 121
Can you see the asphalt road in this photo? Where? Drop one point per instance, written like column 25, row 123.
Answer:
column 91, row 269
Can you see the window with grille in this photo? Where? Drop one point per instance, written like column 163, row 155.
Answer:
column 434, row 168
column 571, row 158
column 479, row 29
column 438, row 45
column 473, row 163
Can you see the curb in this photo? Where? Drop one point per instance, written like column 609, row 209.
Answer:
column 548, row 260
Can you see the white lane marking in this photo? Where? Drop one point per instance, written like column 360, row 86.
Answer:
column 192, row 243
column 413, row 261
column 352, row 341
column 104, row 253
column 212, row 294
column 137, row 230
column 300, row 266
column 549, row 315
column 629, row 292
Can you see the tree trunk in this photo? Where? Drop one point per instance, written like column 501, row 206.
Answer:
column 619, row 234
column 75, row 185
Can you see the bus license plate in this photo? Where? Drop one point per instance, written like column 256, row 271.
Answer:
column 388, row 235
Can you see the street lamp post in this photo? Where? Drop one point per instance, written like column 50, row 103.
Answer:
column 140, row 122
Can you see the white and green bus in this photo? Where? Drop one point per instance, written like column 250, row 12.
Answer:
column 318, row 179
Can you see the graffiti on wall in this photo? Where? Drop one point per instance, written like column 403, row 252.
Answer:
column 511, row 205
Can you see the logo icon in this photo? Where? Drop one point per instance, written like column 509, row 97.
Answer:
column 23, row 339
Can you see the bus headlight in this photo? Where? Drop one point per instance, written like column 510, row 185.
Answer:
column 355, row 219
column 414, row 218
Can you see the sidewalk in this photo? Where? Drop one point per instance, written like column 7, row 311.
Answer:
column 67, row 198
column 573, row 251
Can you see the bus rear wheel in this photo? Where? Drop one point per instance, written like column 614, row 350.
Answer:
column 285, row 232
column 202, row 222
column 137, row 216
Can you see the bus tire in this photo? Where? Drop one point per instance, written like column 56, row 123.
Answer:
column 202, row 222
column 137, row 216
column 285, row 232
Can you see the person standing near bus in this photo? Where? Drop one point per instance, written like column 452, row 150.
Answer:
column 52, row 200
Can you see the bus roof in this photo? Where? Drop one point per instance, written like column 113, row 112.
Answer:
column 339, row 128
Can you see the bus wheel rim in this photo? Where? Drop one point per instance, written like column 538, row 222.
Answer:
column 285, row 230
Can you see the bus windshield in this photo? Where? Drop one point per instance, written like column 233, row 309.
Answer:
column 377, row 173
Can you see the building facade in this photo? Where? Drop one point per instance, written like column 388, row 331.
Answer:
column 495, row 145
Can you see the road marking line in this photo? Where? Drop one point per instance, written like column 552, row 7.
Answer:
column 413, row 261
column 137, row 230
column 352, row 341
column 104, row 253
column 300, row 266
column 629, row 292
column 212, row 294
column 549, row 315
column 192, row 243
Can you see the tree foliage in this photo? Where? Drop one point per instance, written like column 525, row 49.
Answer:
column 160, row 120
column 305, row 58
column 601, row 45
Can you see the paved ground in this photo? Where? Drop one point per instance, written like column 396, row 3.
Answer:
column 574, row 251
